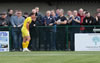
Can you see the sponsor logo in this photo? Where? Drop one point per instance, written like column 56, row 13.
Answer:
column 96, row 40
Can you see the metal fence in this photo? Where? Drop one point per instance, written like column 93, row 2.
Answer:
column 58, row 38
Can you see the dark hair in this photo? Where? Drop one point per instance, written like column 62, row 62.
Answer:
column 25, row 13
column 86, row 12
column 32, row 14
column 9, row 10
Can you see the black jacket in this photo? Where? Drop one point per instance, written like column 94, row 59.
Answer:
column 90, row 21
column 5, row 21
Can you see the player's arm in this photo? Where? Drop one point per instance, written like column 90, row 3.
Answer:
column 27, row 26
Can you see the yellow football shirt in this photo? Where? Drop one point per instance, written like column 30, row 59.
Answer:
column 24, row 30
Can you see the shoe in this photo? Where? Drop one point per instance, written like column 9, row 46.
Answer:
column 20, row 49
column 26, row 50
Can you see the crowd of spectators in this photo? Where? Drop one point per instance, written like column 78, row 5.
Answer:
column 49, row 33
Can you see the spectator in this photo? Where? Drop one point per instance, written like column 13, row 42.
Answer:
column 75, row 18
column 53, row 15
column 39, row 15
column 34, row 34
column 17, row 22
column 88, row 20
column 26, row 15
column 69, row 17
column 98, row 9
column 57, row 12
column 49, row 21
column 3, row 20
column 61, row 19
column 82, row 16
column 61, row 31
column 9, row 15
column 33, row 10
column 75, row 22
column 97, row 19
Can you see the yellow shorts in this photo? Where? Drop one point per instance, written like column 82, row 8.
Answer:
column 25, row 32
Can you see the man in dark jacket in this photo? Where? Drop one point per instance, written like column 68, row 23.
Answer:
column 34, row 34
column 4, row 22
column 48, row 20
column 88, row 20
column 9, row 15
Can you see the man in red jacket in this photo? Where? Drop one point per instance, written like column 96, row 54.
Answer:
column 81, row 15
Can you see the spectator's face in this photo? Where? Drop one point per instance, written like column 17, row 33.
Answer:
column 84, row 13
column 57, row 11
column 81, row 11
column 88, row 14
column 26, row 15
column 98, row 14
column 48, row 13
column 19, row 14
column 4, row 16
column 16, row 12
column 98, row 10
column 75, row 13
column 52, row 13
column 34, row 10
column 11, row 12
column 37, row 10
column 69, row 13
column 61, row 12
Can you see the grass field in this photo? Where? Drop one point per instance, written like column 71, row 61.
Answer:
column 50, row 57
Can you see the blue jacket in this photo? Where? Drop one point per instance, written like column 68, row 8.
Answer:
column 48, row 20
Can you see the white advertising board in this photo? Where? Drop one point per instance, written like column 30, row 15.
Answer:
column 4, row 41
column 87, row 42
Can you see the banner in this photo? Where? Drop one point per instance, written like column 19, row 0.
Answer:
column 87, row 42
column 4, row 41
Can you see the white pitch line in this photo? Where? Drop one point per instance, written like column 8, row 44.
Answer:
column 44, row 54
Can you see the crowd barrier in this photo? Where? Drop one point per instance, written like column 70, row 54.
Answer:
column 53, row 37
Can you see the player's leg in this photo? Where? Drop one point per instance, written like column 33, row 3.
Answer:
column 27, row 41
column 24, row 43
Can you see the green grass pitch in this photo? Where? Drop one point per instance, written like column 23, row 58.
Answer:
column 50, row 57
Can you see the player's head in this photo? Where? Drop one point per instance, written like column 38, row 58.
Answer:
column 32, row 15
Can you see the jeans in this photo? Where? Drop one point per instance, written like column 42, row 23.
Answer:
column 73, row 30
column 34, row 43
column 17, row 38
column 49, row 39
column 61, row 38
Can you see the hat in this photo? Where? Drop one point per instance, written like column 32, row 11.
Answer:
column 3, row 13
